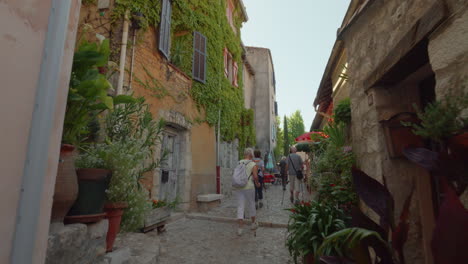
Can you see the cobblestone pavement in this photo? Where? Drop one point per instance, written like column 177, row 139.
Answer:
column 201, row 241
column 205, row 242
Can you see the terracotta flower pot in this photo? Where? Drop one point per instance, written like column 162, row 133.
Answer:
column 66, row 184
column 114, row 213
column 92, row 191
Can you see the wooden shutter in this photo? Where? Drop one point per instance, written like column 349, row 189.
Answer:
column 235, row 70
column 165, row 28
column 199, row 57
column 226, row 67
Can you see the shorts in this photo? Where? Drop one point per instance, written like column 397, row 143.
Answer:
column 295, row 183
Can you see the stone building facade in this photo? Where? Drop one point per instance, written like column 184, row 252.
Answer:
column 400, row 53
column 192, row 161
column 263, row 97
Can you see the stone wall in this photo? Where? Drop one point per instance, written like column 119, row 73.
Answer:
column 373, row 37
column 448, row 53
column 77, row 243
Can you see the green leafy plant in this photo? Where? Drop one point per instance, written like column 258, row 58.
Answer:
column 336, row 133
column 442, row 119
column 342, row 112
column 309, row 224
column 87, row 96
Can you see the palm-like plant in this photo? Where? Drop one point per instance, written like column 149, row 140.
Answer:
column 309, row 225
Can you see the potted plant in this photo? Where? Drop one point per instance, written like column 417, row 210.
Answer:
column 94, row 174
column 87, row 96
column 131, row 134
column 309, row 224
column 443, row 121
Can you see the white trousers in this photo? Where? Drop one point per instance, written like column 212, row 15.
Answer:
column 245, row 197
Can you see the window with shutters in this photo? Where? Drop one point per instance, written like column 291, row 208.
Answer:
column 230, row 68
column 165, row 28
column 230, row 14
column 199, row 57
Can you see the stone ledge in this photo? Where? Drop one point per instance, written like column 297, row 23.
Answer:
column 206, row 198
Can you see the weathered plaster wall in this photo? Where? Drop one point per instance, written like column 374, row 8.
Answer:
column 368, row 42
column 197, row 157
column 249, row 86
column 23, row 27
column 229, row 157
column 260, row 60
column 203, row 161
column 167, row 90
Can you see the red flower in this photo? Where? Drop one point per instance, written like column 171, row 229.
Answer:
column 343, row 189
column 307, row 204
column 293, row 211
column 332, row 185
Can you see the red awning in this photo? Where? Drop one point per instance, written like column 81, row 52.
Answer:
column 307, row 137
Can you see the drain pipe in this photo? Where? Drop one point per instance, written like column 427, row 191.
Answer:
column 132, row 60
column 218, row 158
column 123, row 53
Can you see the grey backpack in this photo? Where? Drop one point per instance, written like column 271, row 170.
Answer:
column 240, row 177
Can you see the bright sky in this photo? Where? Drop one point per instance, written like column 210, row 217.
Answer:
column 300, row 35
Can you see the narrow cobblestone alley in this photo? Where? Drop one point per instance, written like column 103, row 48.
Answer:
column 203, row 241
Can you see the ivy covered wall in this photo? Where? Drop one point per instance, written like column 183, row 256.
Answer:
column 209, row 18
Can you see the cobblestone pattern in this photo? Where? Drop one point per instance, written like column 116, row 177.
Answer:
column 205, row 242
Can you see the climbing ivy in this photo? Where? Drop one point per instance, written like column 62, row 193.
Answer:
column 150, row 9
column 217, row 93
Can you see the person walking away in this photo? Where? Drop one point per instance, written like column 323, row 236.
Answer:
column 294, row 169
column 284, row 172
column 246, row 195
column 261, row 172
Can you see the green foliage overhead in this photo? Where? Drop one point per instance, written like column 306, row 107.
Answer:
column 342, row 112
column 441, row 120
column 295, row 126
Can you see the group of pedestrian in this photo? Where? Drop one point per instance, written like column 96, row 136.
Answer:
column 249, row 185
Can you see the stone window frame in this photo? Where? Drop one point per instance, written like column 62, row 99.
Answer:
column 231, row 69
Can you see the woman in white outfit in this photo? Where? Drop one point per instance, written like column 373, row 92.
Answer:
column 246, row 195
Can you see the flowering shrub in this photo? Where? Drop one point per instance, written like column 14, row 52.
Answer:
column 158, row 204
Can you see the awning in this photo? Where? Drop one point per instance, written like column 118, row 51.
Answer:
column 311, row 136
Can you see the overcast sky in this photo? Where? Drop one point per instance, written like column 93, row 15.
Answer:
column 300, row 35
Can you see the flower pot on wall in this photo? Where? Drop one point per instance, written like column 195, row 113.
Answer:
column 114, row 212
column 66, row 184
column 156, row 216
column 398, row 136
column 92, row 191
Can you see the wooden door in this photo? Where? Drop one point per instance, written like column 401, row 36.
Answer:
column 168, row 177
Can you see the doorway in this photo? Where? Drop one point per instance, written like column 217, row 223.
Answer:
column 170, row 165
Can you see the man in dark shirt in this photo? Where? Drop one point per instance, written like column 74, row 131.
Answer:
column 284, row 172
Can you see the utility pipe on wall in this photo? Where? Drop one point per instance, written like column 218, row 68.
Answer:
column 123, row 53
